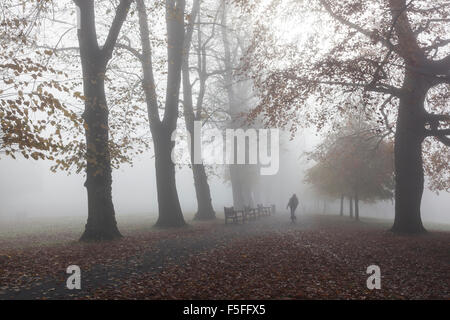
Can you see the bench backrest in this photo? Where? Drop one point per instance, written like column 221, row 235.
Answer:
column 229, row 211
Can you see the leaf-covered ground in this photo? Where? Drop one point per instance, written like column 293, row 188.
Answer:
column 321, row 257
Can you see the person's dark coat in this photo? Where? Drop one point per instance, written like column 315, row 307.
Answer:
column 293, row 202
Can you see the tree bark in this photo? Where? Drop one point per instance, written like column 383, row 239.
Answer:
column 101, row 223
column 351, row 206
column 236, row 187
column 205, row 209
column 170, row 214
column 356, row 206
column 409, row 175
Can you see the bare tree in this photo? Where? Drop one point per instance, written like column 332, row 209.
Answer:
column 101, row 223
column 205, row 209
column 170, row 213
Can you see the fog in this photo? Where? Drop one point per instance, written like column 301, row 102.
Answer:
column 30, row 190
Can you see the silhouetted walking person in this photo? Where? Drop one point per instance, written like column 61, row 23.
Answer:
column 292, row 204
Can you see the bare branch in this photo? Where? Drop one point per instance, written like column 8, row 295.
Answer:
column 121, row 13
column 386, row 42
column 130, row 49
column 437, row 133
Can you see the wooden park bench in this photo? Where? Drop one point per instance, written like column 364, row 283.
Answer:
column 248, row 214
column 267, row 211
column 235, row 216
column 264, row 211
column 259, row 209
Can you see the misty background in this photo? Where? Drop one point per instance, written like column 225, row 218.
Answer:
column 30, row 190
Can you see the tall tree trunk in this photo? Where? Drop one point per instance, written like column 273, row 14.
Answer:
column 257, row 194
column 350, row 199
column 247, row 186
column 236, row 187
column 409, row 176
column 239, row 186
column 205, row 209
column 341, row 213
column 101, row 223
column 170, row 214
column 356, row 206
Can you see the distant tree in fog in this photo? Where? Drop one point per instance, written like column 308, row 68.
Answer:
column 195, row 112
column 354, row 162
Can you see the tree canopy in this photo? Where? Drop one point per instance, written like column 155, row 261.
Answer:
column 353, row 161
column 31, row 109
